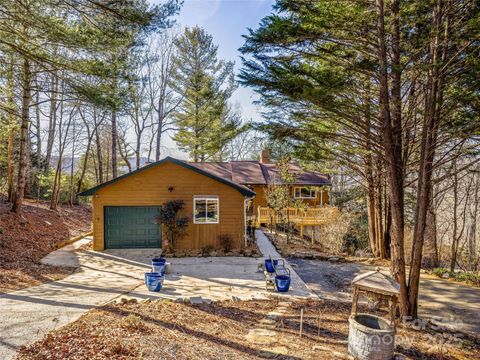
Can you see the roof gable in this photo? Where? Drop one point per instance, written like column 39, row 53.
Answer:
column 242, row 189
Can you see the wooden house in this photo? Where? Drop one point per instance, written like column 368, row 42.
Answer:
column 218, row 198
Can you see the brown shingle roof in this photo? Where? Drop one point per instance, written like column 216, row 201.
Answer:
column 256, row 173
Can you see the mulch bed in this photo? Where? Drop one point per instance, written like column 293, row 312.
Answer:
column 168, row 330
column 28, row 237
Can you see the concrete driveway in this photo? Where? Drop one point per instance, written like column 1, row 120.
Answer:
column 451, row 304
column 27, row 315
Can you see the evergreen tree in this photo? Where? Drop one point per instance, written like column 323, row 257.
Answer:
column 375, row 85
column 70, row 43
column 204, row 120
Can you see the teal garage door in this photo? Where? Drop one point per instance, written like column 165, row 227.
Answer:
column 129, row 227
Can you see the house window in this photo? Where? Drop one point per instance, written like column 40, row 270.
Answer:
column 205, row 209
column 304, row 193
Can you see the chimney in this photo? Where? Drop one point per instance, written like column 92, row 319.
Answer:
column 265, row 156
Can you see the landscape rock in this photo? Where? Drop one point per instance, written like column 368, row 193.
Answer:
column 261, row 336
column 334, row 259
column 359, row 253
column 273, row 352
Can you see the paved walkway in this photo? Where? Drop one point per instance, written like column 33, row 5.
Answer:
column 268, row 250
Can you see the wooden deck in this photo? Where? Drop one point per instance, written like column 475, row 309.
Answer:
column 300, row 217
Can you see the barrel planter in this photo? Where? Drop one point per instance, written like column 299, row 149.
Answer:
column 154, row 281
column 270, row 265
column 370, row 337
column 159, row 265
column 282, row 283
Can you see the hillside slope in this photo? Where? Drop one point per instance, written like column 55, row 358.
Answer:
column 26, row 238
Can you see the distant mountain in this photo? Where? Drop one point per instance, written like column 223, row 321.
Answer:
column 67, row 163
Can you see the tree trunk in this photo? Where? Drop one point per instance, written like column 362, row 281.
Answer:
column 394, row 165
column 430, row 256
column 124, row 155
column 472, row 239
column 433, row 103
column 22, row 165
column 159, row 127
column 114, row 144
column 98, row 148
column 12, row 128
column 453, row 247
column 52, row 123
column 372, row 216
column 38, row 127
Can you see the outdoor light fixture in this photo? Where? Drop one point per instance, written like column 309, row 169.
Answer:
column 170, row 188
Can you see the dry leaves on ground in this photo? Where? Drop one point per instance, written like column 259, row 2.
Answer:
column 26, row 238
column 167, row 330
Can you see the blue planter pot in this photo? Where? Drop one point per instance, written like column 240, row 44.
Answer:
column 269, row 266
column 159, row 265
column 282, row 283
column 154, row 281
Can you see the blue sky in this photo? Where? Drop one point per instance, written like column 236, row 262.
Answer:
column 226, row 21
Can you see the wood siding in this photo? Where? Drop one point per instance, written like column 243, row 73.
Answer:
column 150, row 187
column 260, row 199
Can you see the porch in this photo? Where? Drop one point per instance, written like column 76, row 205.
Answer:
column 299, row 217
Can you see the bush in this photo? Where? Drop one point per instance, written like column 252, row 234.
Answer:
column 175, row 225
column 468, row 277
column 226, row 242
column 465, row 276
column 440, row 271
column 207, row 249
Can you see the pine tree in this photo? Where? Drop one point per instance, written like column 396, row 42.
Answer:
column 204, row 120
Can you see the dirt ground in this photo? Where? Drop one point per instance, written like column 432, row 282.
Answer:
column 222, row 330
column 296, row 247
column 440, row 300
column 26, row 238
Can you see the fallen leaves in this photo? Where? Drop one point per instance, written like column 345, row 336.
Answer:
column 25, row 239
column 216, row 331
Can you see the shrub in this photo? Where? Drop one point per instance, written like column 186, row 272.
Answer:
column 468, row 277
column 465, row 276
column 207, row 249
column 175, row 225
column 440, row 271
column 226, row 242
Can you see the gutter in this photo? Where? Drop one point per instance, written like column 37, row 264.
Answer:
column 245, row 199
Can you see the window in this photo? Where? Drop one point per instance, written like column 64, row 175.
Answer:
column 205, row 209
column 304, row 193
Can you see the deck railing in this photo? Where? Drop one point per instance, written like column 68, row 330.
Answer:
column 301, row 217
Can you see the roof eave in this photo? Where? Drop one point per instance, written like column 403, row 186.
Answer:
column 242, row 189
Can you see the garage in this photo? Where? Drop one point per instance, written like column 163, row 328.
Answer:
column 132, row 227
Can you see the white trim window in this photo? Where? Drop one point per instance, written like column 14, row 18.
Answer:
column 303, row 192
column 206, row 209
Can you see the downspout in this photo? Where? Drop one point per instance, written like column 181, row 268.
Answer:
column 245, row 199
column 245, row 220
